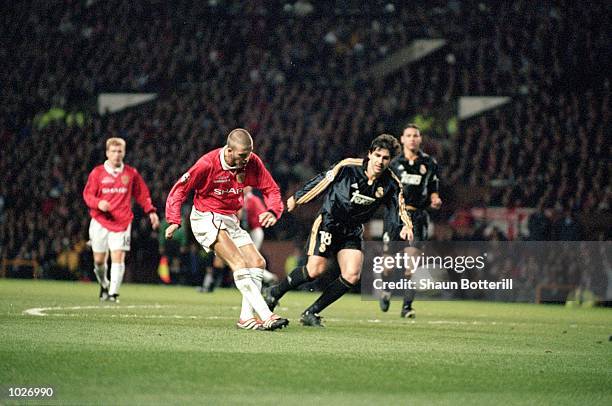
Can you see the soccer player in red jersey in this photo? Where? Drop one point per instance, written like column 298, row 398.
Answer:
column 108, row 194
column 252, row 208
column 218, row 179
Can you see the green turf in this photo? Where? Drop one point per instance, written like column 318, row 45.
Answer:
column 178, row 346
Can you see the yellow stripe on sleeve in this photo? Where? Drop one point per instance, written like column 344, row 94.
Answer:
column 328, row 179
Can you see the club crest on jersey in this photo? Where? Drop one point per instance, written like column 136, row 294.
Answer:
column 125, row 179
column 240, row 177
column 184, row 178
column 423, row 169
column 379, row 192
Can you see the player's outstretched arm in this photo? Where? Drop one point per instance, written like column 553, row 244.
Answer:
column 317, row 185
column 311, row 189
column 273, row 200
column 181, row 189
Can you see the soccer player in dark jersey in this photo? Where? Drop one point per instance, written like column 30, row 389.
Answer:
column 353, row 190
column 418, row 173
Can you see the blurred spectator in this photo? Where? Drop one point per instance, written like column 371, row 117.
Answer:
column 566, row 228
column 539, row 225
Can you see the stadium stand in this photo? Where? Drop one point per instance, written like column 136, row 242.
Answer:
column 282, row 70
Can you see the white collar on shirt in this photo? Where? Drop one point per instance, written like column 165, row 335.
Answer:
column 224, row 164
column 111, row 169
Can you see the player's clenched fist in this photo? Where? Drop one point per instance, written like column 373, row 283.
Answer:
column 104, row 205
column 290, row 204
column 407, row 234
column 154, row 220
column 170, row 231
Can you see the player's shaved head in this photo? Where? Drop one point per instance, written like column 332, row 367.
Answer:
column 239, row 138
column 239, row 148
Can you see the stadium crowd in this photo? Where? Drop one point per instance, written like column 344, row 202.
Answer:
column 294, row 74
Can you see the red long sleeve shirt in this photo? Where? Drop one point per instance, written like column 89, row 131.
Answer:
column 218, row 188
column 117, row 189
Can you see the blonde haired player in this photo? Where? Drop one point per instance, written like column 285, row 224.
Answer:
column 108, row 195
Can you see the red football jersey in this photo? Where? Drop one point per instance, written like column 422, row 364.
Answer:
column 116, row 187
column 219, row 189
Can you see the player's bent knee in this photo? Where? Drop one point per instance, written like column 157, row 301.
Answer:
column 315, row 270
column 99, row 258
column 353, row 280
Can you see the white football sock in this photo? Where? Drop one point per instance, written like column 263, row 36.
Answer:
column 250, row 290
column 117, row 271
column 246, row 312
column 100, row 272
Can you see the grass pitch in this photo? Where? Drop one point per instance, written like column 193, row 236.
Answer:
column 173, row 345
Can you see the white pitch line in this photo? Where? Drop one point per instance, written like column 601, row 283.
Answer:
column 148, row 316
column 41, row 311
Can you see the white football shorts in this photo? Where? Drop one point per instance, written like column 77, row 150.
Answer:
column 103, row 240
column 206, row 225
